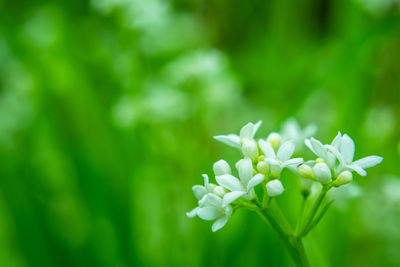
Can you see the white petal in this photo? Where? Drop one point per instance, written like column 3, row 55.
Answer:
column 318, row 148
column 285, row 151
column 357, row 169
column 247, row 131
column 230, row 197
column 199, row 191
column 218, row 224
column 337, row 140
column 255, row 128
column 295, row 161
column 207, row 183
column 257, row 179
column 267, row 149
column 245, row 168
column 193, row 212
column 229, row 182
column 337, row 154
column 232, row 140
column 209, row 213
column 210, row 200
column 347, row 148
column 221, row 167
column 368, row 162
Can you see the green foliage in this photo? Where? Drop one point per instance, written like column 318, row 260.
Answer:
column 107, row 108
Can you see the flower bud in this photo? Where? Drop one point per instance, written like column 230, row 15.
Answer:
column 219, row 191
column 275, row 140
column 250, row 149
column 322, row 173
column 319, row 160
column 343, row 178
column 262, row 167
column 274, row 188
column 221, row 167
column 305, row 171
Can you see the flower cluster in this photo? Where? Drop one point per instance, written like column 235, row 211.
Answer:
column 262, row 164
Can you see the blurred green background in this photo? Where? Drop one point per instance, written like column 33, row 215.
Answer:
column 108, row 108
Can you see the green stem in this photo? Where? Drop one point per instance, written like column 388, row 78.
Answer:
column 303, row 203
column 266, row 215
column 298, row 244
column 314, row 210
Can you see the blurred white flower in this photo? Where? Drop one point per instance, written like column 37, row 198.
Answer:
column 292, row 131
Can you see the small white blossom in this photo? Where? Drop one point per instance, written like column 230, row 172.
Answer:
column 274, row 139
column 243, row 186
column 211, row 208
column 246, row 133
column 344, row 150
column 277, row 162
column 274, row 188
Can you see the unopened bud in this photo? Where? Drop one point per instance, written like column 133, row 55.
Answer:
column 275, row 140
column 262, row 167
column 274, row 188
column 305, row 171
column 319, row 160
column 322, row 173
column 221, row 167
column 343, row 178
column 250, row 149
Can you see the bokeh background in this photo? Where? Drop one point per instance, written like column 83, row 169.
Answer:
column 108, row 108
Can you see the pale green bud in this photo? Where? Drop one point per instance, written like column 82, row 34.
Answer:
column 219, row 191
column 322, row 173
column 274, row 188
column 343, row 178
column 250, row 149
column 306, row 172
column 319, row 160
column 221, row 167
column 262, row 167
column 275, row 140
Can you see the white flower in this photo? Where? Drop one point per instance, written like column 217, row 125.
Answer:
column 243, row 187
column 344, row 149
column 280, row 160
column 274, row 188
column 246, row 133
column 211, row 208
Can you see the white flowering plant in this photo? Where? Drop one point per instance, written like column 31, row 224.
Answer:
column 261, row 167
